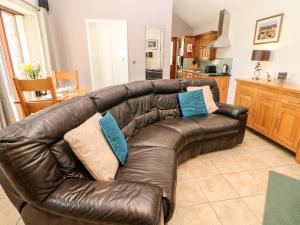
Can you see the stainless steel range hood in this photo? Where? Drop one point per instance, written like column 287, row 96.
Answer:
column 223, row 31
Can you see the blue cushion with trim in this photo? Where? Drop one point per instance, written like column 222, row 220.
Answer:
column 192, row 103
column 114, row 137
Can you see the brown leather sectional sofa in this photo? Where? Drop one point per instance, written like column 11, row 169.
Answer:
column 48, row 184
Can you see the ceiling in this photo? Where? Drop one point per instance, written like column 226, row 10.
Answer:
column 198, row 12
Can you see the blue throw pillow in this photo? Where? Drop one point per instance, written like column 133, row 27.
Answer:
column 192, row 103
column 114, row 137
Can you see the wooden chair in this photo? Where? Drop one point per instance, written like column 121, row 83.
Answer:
column 69, row 76
column 34, row 105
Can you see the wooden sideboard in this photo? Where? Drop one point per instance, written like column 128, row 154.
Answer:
column 222, row 81
column 274, row 110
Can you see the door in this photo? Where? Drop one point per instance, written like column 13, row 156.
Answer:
column 173, row 58
column 286, row 127
column 263, row 115
column 107, row 42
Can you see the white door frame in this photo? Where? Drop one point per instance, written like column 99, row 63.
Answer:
column 87, row 22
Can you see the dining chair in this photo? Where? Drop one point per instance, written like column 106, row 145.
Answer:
column 35, row 104
column 66, row 76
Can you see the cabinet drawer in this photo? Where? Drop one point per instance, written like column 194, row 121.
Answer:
column 268, row 95
column 247, row 90
column 291, row 100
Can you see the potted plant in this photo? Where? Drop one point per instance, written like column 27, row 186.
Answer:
column 31, row 71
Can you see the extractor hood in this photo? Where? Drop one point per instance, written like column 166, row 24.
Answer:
column 223, row 31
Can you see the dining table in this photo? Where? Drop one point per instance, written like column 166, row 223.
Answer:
column 61, row 95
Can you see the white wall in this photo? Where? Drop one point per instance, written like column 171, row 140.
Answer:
column 67, row 26
column 285, row 54
column 206, row 27
column 179, row 27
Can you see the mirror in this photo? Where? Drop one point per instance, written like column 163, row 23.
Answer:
column 154, row 52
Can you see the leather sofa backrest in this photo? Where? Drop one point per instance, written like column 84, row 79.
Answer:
column 138, row 104
column 34, row 157
column 29, row 156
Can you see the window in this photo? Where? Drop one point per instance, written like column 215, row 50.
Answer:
column 11, row 55
column 13, row 38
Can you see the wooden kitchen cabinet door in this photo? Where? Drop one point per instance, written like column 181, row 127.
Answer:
column 223, row 84
column 263, row 115
column 286, row 126
column 189, row 46
column 246, row 101
column 245, row 97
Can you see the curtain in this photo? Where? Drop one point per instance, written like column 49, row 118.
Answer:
column 48, row 55
column 6, row 112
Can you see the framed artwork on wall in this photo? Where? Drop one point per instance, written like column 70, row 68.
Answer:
column 152, row 44
column 268, row 29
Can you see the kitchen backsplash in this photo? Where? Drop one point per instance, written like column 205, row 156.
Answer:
column 190, row 63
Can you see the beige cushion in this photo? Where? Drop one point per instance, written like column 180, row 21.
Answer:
column 208, row 98
column 91, row 148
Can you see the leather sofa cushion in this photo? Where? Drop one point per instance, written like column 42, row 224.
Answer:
column 67, row 161
column 188, row 128
column 157, row 136
column 215, row 125
column 152, row 165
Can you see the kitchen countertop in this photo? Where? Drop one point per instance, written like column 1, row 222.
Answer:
column 203, row 73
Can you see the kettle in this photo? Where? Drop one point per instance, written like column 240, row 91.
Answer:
column 225, row 69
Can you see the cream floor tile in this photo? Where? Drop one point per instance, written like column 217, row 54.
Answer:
column 244, row 184
column 216, row 188
column 226, row 164
column 189, row 192
column 235, row 212
column 184, row 172
column 249, row 161
column 256, row 204
column 289, row 170
column 261, row 176
column 220, row 153
column 175, row 219
column 2, row 193
column 20, row 222
column 198, row 215
column 259, row 144
column 250, row 134
column 8, row 214
column 203, row 167
column 275, row 158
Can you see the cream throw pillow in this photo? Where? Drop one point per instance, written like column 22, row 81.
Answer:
column 92, row 149
column 208, row 98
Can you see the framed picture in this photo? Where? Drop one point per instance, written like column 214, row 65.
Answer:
column 189, row 48
column 268, row 29
column 282, row 76
column 152, row 44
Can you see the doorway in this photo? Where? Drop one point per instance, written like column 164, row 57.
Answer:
column 173, row 58
column 108, row 52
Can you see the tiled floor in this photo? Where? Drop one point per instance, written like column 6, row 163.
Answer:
column 221, row 188
column 229, row 187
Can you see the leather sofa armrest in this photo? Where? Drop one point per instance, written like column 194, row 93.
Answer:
column 231, row 110
column 106, row 202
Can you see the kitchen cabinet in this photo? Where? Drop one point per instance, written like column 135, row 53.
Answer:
column 202, row 49
column 222, row 81
column 263, row 115
column 186, row 46
column 274, row 110
column 287, row 126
